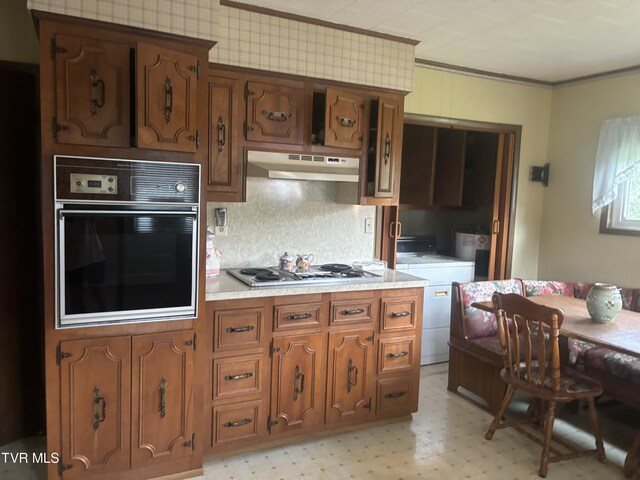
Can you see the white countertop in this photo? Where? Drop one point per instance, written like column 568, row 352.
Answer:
column 225, row 287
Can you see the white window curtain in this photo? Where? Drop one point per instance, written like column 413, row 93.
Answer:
column 617, row 160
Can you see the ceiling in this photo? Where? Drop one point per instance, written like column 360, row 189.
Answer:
column 544, row 40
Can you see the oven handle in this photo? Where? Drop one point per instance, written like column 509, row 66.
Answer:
column 64, row 212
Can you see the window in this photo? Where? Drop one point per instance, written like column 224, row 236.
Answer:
column 622, row 216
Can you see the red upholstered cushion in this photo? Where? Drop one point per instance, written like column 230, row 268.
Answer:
column 478, row 323
column 626, row 367
column 547, row 287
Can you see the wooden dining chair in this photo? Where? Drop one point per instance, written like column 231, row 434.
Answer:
column 530, row 350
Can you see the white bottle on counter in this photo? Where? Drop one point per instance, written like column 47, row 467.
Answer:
column 213, row 255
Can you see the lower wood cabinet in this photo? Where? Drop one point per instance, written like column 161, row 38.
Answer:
column 127, row 402
column 297, row 382
column 350, row 375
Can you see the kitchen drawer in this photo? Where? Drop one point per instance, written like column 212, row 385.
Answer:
column 396, row 354
column 238, row 328
column 351, row 311
column 396, row 396
column 435, row 347
column 292, row 317
column 235, row 376
column 398, row 314
column 238, row 421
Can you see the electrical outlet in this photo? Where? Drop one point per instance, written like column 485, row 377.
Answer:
column 220, row 231
column 368, row 225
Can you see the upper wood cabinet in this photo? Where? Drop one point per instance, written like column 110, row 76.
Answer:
column 418, row 165
column 95, row 376
column 167, row 98
column 225, row 166
column 388, row 148
column 92, row 97
column 275, row 113
column 344, row 119
column 449, row 174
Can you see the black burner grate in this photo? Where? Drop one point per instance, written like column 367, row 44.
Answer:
column 269, row 276
column 335, row 267
column 255, row 271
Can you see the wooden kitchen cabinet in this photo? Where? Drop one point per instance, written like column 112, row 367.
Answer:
column 350, row 375
column 225, row 165
column 95, row 377
column 167, row 82
column 418, row 165
column 297, row 382
column 388, row 147
column 344, row 119
column 162, row 397
column 275, row 112
column 126, row 402
column 92, row 94
column 449, row 171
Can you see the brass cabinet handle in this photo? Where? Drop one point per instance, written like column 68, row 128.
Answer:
column 355, row 311
column 352, row 375
column 242, row 376
column 168, row 99
column 163, row 397
column 395, row 395
column 302, row 316
column 298, row 382
column 238, row 424
column 387, row 149
column 397, row 355
column 222, row 134
column 246, row 328
column 398, row 314
column 97, row 92
column 99, row 414
column 279, row 116
column 345, row 121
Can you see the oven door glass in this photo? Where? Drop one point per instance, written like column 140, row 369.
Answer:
column 126, row 265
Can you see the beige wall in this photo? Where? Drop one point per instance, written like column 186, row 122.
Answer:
column 451, row 95
column 18, row 41
column 571, row 247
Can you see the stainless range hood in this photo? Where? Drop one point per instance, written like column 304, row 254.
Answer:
column 292, row 166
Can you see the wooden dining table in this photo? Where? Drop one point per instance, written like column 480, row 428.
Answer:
column 622, row 335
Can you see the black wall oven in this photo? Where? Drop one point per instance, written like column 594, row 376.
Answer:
column 126, row 240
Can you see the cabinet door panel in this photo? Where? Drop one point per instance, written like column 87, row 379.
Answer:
column 350, row 369
column 167, row 96
column 344, row 119
column 95, row 402
column 297, row 388
column 388, row 148
column 275, row 113
column 224, row 164
column 92, row 92
column 162, row 397
column 449, row 171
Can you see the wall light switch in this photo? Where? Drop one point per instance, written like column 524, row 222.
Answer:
column 368, row 225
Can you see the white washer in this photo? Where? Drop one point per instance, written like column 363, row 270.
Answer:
column 436, row 312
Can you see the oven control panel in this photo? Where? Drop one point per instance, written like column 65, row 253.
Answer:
column 88, row 183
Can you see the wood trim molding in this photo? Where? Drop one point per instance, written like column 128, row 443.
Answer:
column 527, row 80
column 315, row 21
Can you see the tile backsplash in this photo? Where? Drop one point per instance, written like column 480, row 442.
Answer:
column 294, row 216
column 257, row 40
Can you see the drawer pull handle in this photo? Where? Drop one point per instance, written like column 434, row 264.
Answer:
column 298, row 382
column 395, row 395
column 352, row 375
column 246, row 328
column 302, row 316
column 238, row 424
column 280, row 116
column 163, row 397
column 97, row 401
column 242, row 376
column 397, row 355
column 398, row 314
column 355, row 311
column 441, row 293
column 345, row 121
